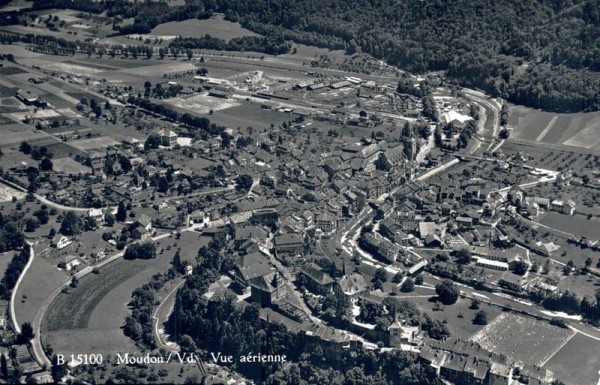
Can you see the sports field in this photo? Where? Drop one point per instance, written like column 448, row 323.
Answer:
column 577, row 363
column 578, row 130
column 523, row 339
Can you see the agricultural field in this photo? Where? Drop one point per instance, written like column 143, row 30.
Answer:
column 215, row 27
column 577, row 362
column 574, row 224
column 577, row 130
column 522, row 338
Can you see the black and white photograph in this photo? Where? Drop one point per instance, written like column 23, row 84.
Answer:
column 300, row 192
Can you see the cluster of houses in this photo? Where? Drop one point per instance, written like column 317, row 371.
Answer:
column 465, row 362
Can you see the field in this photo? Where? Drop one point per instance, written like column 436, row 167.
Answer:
column 215, row 27
column 70, row 166
column 577, row 362
column 202, row 104
column 522, row 338
column 578, row 130
column 41, row 279
column 574, row 224
column 5, row 259
column 249, row 114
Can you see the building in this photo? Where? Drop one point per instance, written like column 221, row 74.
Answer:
column 290, row 243
column 566, row 208
column 325, row 222
column 97, row 214
column 380, row 247
column 250, row 267
column 352, row 285
column 167, row 137
column 400, row 333
column 316, row 280
column 268, row 289
column 61, row 241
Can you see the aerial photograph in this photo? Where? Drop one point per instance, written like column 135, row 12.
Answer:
column 300, row 192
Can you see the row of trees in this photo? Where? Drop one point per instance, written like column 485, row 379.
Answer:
column 273, row 45
column 12, row 273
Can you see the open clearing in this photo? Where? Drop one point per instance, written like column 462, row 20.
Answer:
column 577, row 363
column 522, row 338
column 578, row 130
column 7, row 193
column 202, row 104
column 574, row 224
column 215, row 27
column 41, row 279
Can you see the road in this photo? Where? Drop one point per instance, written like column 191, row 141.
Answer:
column 45, row 200
column 161, row 314
column 13, row 295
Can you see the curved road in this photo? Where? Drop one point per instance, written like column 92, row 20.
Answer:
column 13, row 295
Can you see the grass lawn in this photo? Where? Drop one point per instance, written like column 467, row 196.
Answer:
column 574, row 224
column 577, row 362
column 73, row 310
column 41, row 278
column 5, row 259
column 249, row 114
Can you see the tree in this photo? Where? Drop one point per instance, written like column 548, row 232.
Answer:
column 46, row 165
column 189, row 54
column 121, row 212
column 408, row 286
column 419, row 280
column 475, row 304
column 74, row 282
column 3, row 367
column 463, row 256
column 521, row 267
column 380, row 274
column 480, row 318
column 71, row 224
column 152, row 142
column 26, row 334
column 244, row 182
column 58, row 371
column 25, row 148
column 588, row 263
column 397, row 277
column 31, row 224
column 178, row 265
column 187, row 344
column 448, row 293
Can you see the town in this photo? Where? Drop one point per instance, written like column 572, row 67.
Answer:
column 163, row 197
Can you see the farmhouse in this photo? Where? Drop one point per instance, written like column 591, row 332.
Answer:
column 566, row 208
column 61, row 241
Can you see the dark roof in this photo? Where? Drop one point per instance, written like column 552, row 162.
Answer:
column 317, row 274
